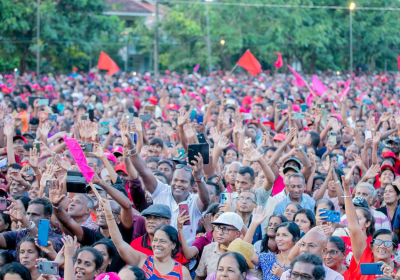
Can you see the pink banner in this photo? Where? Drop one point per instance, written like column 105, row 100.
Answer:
column 79, row 157
column 299, row 82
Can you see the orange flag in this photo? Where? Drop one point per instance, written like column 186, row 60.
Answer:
column 250, row 63
column 106, row 63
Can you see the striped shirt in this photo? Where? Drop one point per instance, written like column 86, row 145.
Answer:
column 151, row 272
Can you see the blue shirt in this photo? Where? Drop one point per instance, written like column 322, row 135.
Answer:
column 257, row 234
column 306, row 202
column 266, row 262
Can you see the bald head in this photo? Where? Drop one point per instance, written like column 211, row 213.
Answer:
column 313, row 242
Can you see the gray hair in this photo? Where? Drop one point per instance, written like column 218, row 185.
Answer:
column 369, row 186
column 234, row 162
column 297, row 175
column 90, row 203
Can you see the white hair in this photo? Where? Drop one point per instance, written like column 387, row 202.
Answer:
column 367, row 185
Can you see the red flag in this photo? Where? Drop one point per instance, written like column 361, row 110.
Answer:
column 299, row 80
column 250, row 63
column 398, row 62
column 106, row 63
column 318, row 86
column 279, row 62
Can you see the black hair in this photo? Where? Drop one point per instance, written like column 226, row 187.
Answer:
column 15, row 166
column 384, row 231
column 217, row 190
column 319, row 271
column 156, row 141
column 309, row 214
column 231, row 149
column 7, row 257
column 24, row 199
column 215, row 176
column 69, row 109
column 7, row 219
column 111, row 250
column 260, row 105
column 315, row 139
column 15, row 268
column 158, row 173
column 153, row 159
column 99, row 163
column 395, row 189
column 98, row 257
column 270, row 148
column 30, row 240
column 324, row 200
column 242, row 264
column 338, row 242
column 81, row 106
column 293, row 228
column 172, row 234
column 138, row 272
column 47, row 207
column 265, row 240
column 34, row 121
column 319, row 177
column 246, row 169
column 368, row 216
column 360, row 120
column 121, row 188
column 212, row 209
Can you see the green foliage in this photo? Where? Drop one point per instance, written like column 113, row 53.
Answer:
column 70, row 31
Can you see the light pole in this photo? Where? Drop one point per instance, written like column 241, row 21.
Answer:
column 38, row 39
column 208, row 38
column 352, row 7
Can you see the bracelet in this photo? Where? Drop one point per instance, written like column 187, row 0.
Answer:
column 345, row 196
column 130, row 152
column 56, row 207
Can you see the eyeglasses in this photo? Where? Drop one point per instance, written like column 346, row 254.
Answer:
column 187, row 168
column 297, row 276
column 246, row 200
column 387, row 244
column 224, row 230
column 331, row 252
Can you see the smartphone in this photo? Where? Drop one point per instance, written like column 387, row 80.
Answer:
column 84, row 117
column 218, row 103
column 32, row 100
column 223, row 198
column 145, row 117
column 150, row 108
column 247, row 116
column 371, row 268
column 340, row 159
column 76, row 183
column 201, row 138
column 91, row 115
column 30, row 172
column 332, row 137
column 103, row 130
column 282, row 106
column 298, row 116
column 367, row 101
column 3, row 162
column 87, row 147
column 53, row 117
column 168, row 144
column 323, row 106
column 368, row 135
column 330, row 216
column 3, row 204
column 200, row 118
column 37, row 146
column 303, row 107
column 43, row 231
column 129, row 118
column 43, row 102
column 230, row 102
column 184, row 207
column 90, row 106
column 181, row 152
column 195, row 149
column 43, row 115
column 255, row 121
column 192, row 115
column 47, row 267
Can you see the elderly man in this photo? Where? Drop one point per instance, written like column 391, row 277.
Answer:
column 367, row 191
column 307, row 264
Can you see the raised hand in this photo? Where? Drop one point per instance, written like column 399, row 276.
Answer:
column 251, row 153
column 14, row 210
column 358, row 160
column 373, row 171
column 70, row 246
column 223, row 143
column 9, row 128
column 189, row 131
column 197, row 167
column 290, row 135
column 183, row 116
column 259, row 215
column 385, row 117
column 98, row 151
column 182, row 218
column 46, row 249
column 106, row 207
column 215, row 135
column 326, row 164
column 44, row 131
column 138, row 124
column 169, row 131
column 55, row 193
column 125, row 132
column 377, row 138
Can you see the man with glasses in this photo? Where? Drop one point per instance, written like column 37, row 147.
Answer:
column 306, row 267
column 227, row 228
column 156, row 215
column 314, row 243
column 245, row 205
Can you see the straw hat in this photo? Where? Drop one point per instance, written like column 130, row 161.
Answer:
column 243, row 248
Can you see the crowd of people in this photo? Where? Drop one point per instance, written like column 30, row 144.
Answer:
column 288, row 184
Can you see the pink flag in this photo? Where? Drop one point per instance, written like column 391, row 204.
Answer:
column 318, row 86
column 79, row 157
column 346, row 89
column 196, row 68
column 299, row 82
column 309, row 100
column 279, row 62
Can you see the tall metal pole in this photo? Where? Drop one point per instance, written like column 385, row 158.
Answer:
column 208, row 40
column 127, row 53
column 156, row 42
column 351, row 42
column 38, row 39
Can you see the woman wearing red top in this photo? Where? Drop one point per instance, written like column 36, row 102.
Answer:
column 381, row 249
column 334, row 256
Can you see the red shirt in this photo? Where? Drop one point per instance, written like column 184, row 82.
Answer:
column 142, row 244
column 349, row 250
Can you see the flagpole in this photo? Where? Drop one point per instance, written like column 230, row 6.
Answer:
column 230, row 73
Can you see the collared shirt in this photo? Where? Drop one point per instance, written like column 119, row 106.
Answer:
column 329, row 274
column 209, row 260
column 280, row 196
column 89, row 223
column 381, row 220
column 163, row 195
column 306, row 202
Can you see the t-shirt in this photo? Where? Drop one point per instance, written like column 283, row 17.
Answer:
column 349, row 249
column 202, row 242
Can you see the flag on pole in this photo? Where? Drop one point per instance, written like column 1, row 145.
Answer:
column 279, row 62
column 106, row 63
column 250, row 63
column 346, row 89
column 299, row 82
column 318, row 86
column 398, row 62
column 196, row 68
column 79, row 157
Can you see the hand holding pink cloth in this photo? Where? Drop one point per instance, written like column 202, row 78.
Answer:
column 79, row 157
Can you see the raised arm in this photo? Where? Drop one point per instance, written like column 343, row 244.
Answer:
column 255, row 156
column 138, row 128
column 188, row 252
column 203, row 191
column 275, row 157
column 9, row 132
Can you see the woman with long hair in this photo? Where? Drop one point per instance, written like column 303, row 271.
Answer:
column 334, row 256
column 391, row 196
column 268, row 243
column 27, row 253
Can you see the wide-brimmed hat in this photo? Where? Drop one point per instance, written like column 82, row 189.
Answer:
column 243, row 248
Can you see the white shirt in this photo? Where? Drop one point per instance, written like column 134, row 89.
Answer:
column 280, row 196
column 329, row 274
column 163, row 195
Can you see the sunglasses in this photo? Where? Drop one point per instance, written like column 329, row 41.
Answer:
column 180, row 166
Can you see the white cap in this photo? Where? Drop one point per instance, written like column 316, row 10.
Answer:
column 230, row 219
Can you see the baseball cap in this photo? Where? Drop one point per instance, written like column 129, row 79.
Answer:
column 230, row 219
column 121, row 167
column 110, row 156
column 158, row 210
column 279, row 137
column 118, row 150
column 20, row 137
column 387, row 166
column 247, row 100
column 293, row 168
column 395, row 140
column 88, row 188
column 30, row 134
column 295, row 159
column 360, row 202
column 108, row 276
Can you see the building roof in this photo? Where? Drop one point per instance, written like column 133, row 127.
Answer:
column 132, row 8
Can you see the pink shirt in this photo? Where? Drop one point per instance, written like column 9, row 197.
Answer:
column 278, row 185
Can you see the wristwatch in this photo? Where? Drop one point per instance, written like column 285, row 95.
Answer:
column 299, row 148
column 31, row 226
